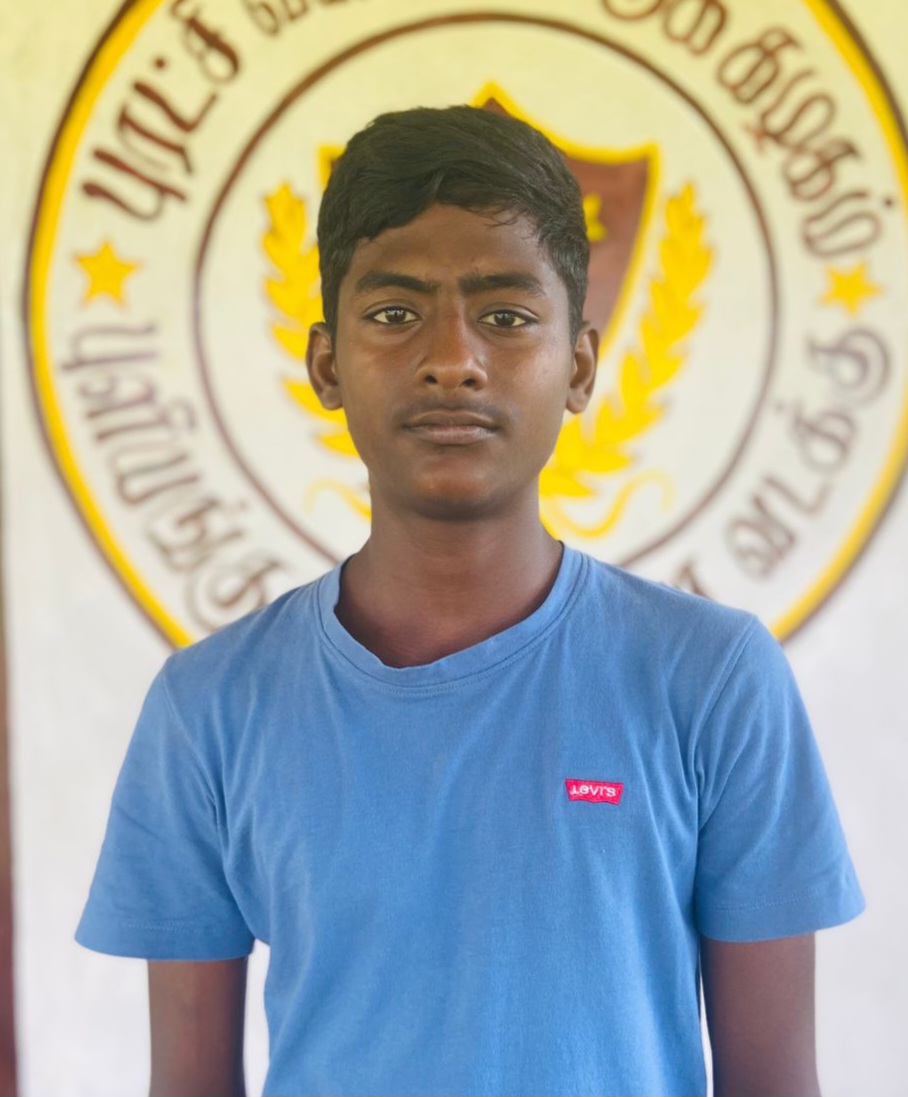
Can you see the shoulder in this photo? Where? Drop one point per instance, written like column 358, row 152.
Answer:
column 638, row 613
column 238, row 657
column 657, row 642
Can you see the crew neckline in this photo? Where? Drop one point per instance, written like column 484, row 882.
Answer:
column 478, row 659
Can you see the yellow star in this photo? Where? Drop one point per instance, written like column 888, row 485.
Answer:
column 106, row 274
column 849, row 288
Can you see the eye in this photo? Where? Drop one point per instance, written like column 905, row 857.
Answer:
column 505, row 318
column 393, row 315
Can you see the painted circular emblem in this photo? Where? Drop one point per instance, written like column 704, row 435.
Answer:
column 745, row 181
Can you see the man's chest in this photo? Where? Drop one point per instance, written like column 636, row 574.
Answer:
column 496, row 807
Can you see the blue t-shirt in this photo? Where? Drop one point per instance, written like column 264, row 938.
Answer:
column 486, row 874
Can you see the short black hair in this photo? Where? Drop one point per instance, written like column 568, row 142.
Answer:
column 470, row 157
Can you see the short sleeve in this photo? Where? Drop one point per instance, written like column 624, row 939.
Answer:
column 159, row 890
column 772, row 859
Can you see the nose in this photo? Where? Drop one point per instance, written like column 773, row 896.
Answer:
column 453, row 356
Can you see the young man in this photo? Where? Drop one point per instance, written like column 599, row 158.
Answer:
column 494, row 805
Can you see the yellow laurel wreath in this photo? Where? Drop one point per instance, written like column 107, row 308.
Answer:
column 585, row 451
column 295, row 295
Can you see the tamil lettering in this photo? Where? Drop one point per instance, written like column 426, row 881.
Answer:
column 147, row 444
column 273, row 16
column 822, row 435
column 696, row 24
column 795, row 114
column 148, row 164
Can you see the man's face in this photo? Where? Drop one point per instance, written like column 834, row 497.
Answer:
column 454, row 363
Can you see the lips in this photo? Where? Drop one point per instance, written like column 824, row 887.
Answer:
column 451, row 426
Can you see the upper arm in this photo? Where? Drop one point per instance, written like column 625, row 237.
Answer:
column 196, row 1011
column 760, row 1012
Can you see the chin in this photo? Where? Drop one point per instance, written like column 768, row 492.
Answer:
column 458, row 510
column 462, row 503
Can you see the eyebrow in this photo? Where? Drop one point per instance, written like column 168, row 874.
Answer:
column 507, row 279
column 469, row 284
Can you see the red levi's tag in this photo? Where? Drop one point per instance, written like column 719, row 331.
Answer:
column 597, row 792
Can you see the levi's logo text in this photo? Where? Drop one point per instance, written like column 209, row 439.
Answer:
column 597, row 792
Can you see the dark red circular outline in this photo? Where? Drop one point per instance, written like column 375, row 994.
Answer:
column 25, row 307
column 409, row 28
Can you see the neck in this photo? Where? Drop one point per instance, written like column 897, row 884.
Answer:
column 423, row 589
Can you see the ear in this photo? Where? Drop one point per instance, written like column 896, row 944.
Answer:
column 586, row 357
column 322, row 367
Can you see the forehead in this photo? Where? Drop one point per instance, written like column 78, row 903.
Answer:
column 447, row 242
